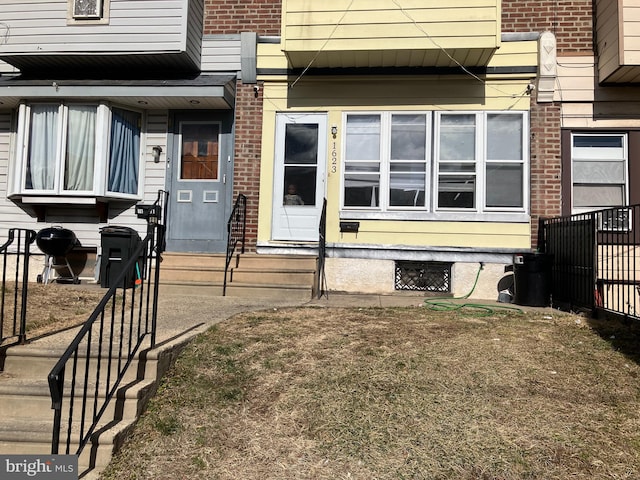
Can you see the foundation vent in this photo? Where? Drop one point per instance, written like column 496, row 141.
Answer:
column 423, row 276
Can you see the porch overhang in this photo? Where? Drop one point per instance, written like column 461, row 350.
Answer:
column 216, row 92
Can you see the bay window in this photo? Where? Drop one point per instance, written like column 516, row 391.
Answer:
column 71, row 150
column 435, row 162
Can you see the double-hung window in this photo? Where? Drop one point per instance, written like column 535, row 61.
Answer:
column 599, row 177
column 599, row 170
column 386, row 161
column 473, row 162
column 75, row 149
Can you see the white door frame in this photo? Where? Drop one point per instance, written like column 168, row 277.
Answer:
column 293, row 221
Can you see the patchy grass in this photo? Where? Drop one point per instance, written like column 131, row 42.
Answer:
column 315, row 393
column 52, row 307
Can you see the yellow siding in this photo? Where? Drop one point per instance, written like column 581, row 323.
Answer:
column 410, row 93
column 525, row 53
column 338, row 95
column 335, row 95
column 366, row 27
column 437, row 234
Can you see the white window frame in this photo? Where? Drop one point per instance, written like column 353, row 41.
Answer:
column 101, row 158
column 101, row 19
column 386, row 162
column 625, row 163
column 179, row 159
column 432, row 164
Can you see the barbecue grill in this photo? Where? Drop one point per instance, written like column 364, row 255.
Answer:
column 56, row 243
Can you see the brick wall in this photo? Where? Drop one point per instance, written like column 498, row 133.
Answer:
column 572, row 23
column 570, row 20
column 248, row 143
column 235, row 16
column 546, row 164
column 227, row 17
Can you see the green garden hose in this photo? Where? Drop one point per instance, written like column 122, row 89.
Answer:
column 445, row 304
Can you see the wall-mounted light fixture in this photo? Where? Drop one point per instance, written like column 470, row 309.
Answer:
column 156, row 152
column 334, row 130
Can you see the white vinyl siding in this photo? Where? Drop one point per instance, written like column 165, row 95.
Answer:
column 135, row 26
column 221, row 53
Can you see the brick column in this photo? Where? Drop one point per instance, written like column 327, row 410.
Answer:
column 248, row 144
column 546, row 164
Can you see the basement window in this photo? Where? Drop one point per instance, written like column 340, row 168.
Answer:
column 423, row 276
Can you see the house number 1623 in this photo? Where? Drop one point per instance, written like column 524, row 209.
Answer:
column 334, row 158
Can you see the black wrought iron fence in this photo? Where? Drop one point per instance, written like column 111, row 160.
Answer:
column 89, row 373
column 596, row 260
column 14, row 255
column 236, row 233
column 320, row 280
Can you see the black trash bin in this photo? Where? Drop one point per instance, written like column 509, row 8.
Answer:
column 118, row 246
column 532, row 279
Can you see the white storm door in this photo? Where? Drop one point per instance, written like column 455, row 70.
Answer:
column 299, row 175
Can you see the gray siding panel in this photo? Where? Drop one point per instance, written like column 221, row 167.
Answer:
column 40, row 27
column 221, row 54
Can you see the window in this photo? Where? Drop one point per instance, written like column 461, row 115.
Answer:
column 78, row 150
column 85, row 9
column 440, row 162
column 85, row 12
column 599, row 171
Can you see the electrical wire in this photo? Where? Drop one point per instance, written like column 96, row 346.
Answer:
column 443, row 50
column 446, row 304
column 323, row 45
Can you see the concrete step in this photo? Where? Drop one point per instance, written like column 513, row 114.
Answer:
column 195, row 260
column 284, row 278
column 30, row 399
column 250, row 274
column 277, row 262
column 26, row 422
column 32, row 362
column 299, row 292
column 34, row 438
column 191, row 274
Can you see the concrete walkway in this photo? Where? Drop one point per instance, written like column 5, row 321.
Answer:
column 179, row 313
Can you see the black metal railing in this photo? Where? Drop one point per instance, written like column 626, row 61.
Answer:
column 596, row 260
column 93, row 367
column 14, row 254
column 236, row 233
column 321, row 281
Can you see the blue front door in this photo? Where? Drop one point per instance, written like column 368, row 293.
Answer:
column 199, row 181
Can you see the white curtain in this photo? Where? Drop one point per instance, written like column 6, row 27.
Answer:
column 43, row 147
column 81, row 146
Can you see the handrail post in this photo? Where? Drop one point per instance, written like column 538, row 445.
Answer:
column 233, row 226
column 29, row 238
column 56, row 383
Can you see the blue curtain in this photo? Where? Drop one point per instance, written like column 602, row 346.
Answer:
column 124, row 157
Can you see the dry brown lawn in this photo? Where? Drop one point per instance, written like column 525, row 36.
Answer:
column 318, row 393
column 52, row 307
